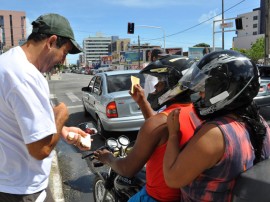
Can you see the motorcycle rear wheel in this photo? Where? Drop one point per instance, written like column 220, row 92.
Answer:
column 99, row 191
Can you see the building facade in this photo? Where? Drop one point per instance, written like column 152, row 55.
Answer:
column 12, row 29
column 251, row 31
column 94, row 48
column 118, row 46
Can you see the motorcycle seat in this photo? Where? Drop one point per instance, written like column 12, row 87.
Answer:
column 253, row 184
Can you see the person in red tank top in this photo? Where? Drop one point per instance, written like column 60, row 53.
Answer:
column 151, row 141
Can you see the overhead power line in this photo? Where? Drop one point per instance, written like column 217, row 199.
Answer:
column 197, row 24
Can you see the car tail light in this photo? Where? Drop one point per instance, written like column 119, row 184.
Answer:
column 268, row 86
column 111, row 110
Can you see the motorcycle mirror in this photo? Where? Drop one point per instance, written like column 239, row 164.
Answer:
column 83, row 126
column 123, row 140
column 87, row 127
column 111, row 142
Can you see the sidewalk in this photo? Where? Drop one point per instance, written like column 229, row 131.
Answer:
column 57, row 76
column 55, row 181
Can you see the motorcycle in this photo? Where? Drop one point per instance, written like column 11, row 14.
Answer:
column 108, row 185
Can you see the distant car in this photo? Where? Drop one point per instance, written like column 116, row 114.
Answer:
column 81, row 70
column 263, row 97
column 108, row 101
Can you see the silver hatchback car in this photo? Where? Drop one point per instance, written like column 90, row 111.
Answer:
column 263, row 97
column 108, row 101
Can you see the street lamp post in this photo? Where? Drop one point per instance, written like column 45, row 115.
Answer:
column 222, row 23
column 156, row 27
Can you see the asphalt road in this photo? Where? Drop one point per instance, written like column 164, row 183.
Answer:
column 76, row 178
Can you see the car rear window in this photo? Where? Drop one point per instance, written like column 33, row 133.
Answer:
column 264, row 71
column 122, row 82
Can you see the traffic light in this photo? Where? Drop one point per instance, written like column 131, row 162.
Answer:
column 130, row 28
column 238, row 23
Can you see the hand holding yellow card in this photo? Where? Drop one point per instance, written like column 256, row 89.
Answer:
column 134, row 81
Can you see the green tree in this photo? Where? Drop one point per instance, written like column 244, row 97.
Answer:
column 241, row 50
column 256, row 51
column 202, row 45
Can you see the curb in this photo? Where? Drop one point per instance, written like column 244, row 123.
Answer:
column 55, row 180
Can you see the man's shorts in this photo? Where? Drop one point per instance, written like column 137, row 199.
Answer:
column 142, row 196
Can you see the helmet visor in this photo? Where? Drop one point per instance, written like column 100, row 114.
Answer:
column 194, row 79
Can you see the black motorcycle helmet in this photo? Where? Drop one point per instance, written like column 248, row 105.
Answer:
column 229, row 80
column 170, row 70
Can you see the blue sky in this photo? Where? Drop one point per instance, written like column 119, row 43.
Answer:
column 185, row 22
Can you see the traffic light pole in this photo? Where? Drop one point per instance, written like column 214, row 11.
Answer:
column 164, row 35
column 139, row 53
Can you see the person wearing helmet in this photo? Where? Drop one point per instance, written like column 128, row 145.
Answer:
column 152, row 138
column 233, row 136
column 150, row 81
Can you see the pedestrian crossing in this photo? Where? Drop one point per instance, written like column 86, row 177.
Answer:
column 72, row 97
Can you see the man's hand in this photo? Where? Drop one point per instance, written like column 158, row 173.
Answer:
column 103, row 156
column 138, row 94
column 74, row 135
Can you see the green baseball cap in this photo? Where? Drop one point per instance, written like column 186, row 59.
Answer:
column 56, row 24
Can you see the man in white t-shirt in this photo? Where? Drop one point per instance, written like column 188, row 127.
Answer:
column 30, row 127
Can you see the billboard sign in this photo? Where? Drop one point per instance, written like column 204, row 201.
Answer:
column 130, row 57
column 199, row 52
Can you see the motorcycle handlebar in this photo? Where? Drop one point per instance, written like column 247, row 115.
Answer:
column 116, row 153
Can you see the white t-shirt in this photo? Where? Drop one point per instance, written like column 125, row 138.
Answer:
column 26, row 116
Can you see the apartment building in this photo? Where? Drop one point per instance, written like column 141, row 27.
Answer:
column 12, row 29
column 95, row 47
column 251, row 31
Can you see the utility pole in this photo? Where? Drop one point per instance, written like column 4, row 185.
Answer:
column 156, row 27
column 1, row 40
column 139, row 53
column 222, row 23
column 267, row 32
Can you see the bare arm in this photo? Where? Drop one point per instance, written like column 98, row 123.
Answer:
column 172, row 149
column 202, row 152
column 42, row 148
column 139, row 97
column 149, row 137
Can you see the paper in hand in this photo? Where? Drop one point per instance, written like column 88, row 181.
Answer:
column 134, row 81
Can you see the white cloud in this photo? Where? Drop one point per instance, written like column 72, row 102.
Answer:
column 209, row 17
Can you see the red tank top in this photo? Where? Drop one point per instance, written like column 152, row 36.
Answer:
column 155, row 183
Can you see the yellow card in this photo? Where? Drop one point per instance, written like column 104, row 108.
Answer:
column 134, row 81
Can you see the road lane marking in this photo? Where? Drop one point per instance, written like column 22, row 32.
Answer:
column 73, row 97
column 76, row 106
column 52, row 96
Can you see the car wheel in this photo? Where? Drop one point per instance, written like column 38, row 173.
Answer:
column 100, row 128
